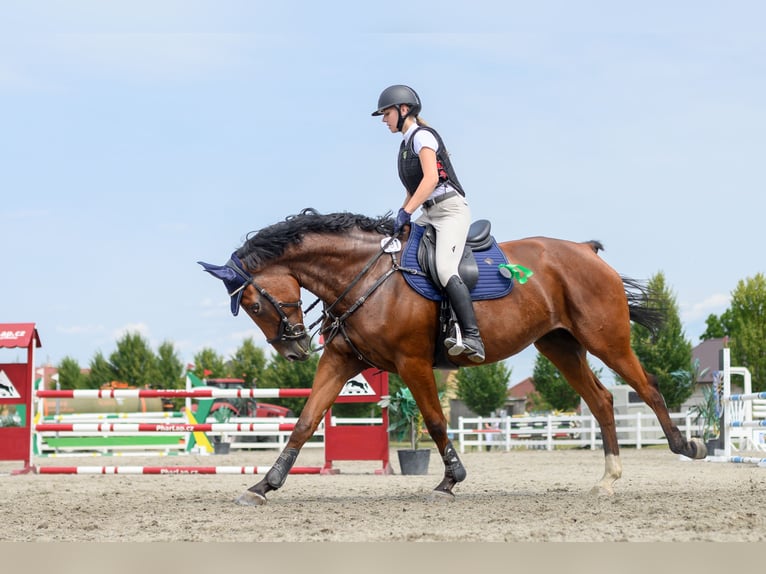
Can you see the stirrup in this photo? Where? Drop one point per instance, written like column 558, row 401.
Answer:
column 454, row 344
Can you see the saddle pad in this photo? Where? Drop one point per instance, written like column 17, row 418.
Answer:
column 491, row 284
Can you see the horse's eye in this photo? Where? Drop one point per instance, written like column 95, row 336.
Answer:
column 255, row 308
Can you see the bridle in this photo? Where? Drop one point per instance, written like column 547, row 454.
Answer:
column 332, row 325
column 287, row 331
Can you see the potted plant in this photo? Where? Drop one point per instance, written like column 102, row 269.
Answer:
column 222, row 443
column 708, row 415
column 413, row 460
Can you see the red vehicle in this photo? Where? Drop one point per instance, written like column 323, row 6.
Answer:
column 244, row 407
column 224, row 409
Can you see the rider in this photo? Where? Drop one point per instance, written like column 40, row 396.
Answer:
column 427, row 174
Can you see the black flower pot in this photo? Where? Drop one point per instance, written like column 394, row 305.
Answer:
column 221, row 447
column 414, row 461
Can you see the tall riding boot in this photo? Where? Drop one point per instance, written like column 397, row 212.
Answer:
column 463, row 306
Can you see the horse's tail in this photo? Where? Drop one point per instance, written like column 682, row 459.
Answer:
column 644, row 310
column 595, row 245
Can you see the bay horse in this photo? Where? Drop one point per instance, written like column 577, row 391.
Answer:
column 575, row 303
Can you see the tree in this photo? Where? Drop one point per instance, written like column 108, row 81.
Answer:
column 70, row 374
column 134, row 362
column 717, row 327
column 748, row 328
column 283, row 374
column 744, row 322
column 483, row 388
column 667, row 350
column 554, row 389
column 169, row 368
column 101, row 371
column 248, row 362
column 208, row 363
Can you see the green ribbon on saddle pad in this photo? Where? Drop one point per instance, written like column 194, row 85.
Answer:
column 518, row 272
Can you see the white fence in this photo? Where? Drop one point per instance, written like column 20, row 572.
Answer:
column 551, row 431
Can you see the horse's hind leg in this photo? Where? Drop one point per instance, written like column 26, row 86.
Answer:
column 569, row 357
column 630, row 369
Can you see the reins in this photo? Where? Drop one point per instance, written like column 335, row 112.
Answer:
column 337, row 324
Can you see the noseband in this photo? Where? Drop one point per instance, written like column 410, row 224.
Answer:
column 287, row 331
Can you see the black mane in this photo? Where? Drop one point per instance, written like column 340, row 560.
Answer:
column 270, row 242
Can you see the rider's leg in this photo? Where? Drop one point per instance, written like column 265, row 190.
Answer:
column 451, row 219
column 463, row 306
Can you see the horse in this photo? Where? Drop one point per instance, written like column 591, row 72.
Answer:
column 575, row 303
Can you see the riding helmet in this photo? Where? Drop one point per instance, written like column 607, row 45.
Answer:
column 396, row 96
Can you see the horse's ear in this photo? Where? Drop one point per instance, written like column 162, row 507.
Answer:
column 235, row 282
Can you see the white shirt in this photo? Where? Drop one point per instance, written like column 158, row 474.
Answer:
column 423, row 138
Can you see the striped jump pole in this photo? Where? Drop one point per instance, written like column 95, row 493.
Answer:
column 195, row 393
column 74, row 417
column 132, row 428
column 748, row 396
column 169, row 470
column 737, row 415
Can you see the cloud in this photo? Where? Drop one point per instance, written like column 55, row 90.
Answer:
column 140, row 328
column 81, row 329
column 56, row 63
column 154, row 58
column 715, row 303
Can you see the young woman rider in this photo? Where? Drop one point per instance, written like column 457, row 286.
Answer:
column 427, row 174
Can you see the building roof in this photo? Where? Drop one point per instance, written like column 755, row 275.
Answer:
column 523, row 389
column 707, row 353
column 15, row 335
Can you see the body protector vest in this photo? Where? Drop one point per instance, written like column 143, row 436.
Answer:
column 410, row 171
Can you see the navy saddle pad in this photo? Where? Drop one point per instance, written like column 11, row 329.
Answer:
column 491, row 284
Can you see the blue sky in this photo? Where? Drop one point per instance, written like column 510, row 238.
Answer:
column 139, row 137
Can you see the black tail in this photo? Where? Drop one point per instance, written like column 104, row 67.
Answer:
column 643, row 309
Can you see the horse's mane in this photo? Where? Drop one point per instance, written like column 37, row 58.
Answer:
column 270, row 242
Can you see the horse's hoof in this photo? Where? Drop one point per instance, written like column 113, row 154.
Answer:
column 601, row 490
column 701, row 449
column 441, row 496
column 250, row 498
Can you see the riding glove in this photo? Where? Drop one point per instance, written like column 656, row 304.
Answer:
column 402, row 219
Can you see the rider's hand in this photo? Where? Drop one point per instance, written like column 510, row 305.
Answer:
column 402, row 219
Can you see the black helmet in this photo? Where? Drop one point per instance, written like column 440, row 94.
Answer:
column 396, row 96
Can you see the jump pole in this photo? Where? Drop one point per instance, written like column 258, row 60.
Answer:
column 737, row 406
column 133, row 428
column 196, row 393
column 360, row 442
column 170, row 470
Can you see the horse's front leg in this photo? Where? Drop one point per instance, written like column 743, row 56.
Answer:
column 454, row 471
column 420, row 379
column 328, row 382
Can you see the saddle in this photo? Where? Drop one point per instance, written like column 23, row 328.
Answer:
column 480, row 269
column 478, row 239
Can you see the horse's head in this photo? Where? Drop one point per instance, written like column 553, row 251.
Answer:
column 273, row 303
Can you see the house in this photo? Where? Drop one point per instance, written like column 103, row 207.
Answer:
column 708, row 353
column 516, row 404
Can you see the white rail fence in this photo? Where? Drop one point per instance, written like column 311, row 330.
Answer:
column 551, row 431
